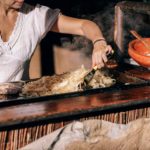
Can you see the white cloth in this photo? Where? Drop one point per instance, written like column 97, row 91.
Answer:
column 76, row 131
column 58, row 139
column 31, row 26
column 96, row 135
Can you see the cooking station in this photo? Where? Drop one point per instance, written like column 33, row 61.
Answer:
column 125, row 101
column 120, row 103
column 129, row 91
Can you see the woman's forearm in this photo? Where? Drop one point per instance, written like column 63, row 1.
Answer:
column 100, row 47
column 91, row 30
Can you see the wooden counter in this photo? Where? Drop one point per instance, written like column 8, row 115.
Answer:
column 70, row 107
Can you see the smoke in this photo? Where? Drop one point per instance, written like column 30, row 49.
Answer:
column 105, row 20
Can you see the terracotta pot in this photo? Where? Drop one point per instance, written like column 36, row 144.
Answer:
column 139, row 52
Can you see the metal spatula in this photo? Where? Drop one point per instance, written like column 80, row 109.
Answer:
column 90, row 75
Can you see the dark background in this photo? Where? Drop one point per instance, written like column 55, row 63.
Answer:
column 74, row 8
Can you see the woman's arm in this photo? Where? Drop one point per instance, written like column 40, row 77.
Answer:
column 88, row 29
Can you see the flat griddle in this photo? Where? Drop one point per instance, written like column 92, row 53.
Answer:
column 30, row 111
column 125, row 76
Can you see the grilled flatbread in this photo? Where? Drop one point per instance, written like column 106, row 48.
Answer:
column 65, row 83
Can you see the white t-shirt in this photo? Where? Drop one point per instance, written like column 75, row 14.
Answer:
column 31, row 26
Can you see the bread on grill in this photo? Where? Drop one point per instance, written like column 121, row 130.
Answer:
column 65, row 83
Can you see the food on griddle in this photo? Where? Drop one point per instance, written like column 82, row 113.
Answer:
column 65, row 83
column 111, row 64
column 90, row 75
column 9, row 88
column 101, row 79
column 4, row 97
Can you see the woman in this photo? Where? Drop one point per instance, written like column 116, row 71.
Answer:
column 23, row 26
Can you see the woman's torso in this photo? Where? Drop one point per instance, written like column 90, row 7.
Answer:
column 30, row 27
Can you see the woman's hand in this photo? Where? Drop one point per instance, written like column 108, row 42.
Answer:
column 100, row 51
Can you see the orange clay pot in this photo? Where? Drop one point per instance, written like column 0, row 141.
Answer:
column 138, row 52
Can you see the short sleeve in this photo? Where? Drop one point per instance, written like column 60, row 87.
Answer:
column 45, row 18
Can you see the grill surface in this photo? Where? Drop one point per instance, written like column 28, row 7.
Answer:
column 127, row 77
column 129, row 91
